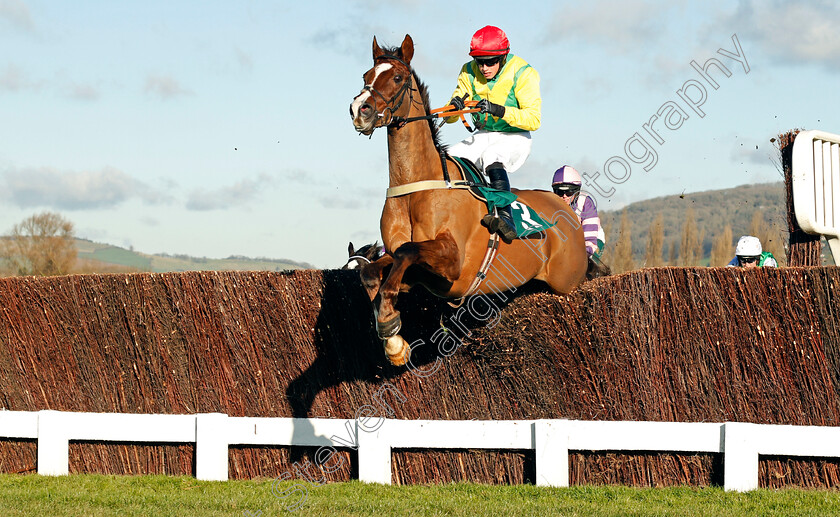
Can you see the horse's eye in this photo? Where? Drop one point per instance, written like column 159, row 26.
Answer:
column 397, row 78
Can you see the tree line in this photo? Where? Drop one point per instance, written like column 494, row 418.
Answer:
column 697, row 229
column 44, row 244
column 688, row 251
column 40, row 245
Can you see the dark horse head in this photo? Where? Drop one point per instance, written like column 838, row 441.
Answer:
column 364, row 255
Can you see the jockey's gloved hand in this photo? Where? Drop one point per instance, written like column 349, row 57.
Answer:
column 488, row 107
column 458, row 102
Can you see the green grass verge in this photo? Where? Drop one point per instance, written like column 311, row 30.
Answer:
column 165, row 263
column 96, row 495
column 120, row 256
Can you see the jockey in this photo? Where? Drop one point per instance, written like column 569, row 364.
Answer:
column 748, row 254
column 566, row 184
column 508, row 91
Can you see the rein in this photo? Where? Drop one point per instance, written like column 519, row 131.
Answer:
column 444, row 112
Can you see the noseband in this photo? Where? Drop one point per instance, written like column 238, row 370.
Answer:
column 386, row 116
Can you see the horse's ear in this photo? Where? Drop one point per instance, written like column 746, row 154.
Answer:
column 377, row 50
column 407, row 48
column 351, row 250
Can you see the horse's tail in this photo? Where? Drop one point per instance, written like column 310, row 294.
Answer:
column 595, row 268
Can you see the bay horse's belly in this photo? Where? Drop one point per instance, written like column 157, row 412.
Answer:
column 557, row 256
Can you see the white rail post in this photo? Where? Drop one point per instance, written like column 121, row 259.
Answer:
column 740, row 456
column 375, row 454
column 551, row 447
column 53, row 444
column 211, row 446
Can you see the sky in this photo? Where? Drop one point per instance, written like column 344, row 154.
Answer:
column 222, row 128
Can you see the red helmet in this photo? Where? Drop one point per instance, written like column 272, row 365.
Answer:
column 489, row 41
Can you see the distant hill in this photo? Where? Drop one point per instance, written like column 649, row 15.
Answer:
column 97, row 257
column 713, row 209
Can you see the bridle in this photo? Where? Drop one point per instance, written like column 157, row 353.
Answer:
column 359, row 259
column 386, row 117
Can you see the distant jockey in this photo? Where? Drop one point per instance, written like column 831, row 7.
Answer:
column 748, row 254
column 566, row 184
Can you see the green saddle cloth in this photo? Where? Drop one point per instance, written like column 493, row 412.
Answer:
column 525, row 219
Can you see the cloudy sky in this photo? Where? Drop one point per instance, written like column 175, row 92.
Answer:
column 222, row 128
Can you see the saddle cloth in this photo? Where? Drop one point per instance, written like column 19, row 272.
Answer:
column 525, row 218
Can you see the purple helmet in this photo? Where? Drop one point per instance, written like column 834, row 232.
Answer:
column 566, row 174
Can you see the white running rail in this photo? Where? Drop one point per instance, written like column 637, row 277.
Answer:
column 213, row 433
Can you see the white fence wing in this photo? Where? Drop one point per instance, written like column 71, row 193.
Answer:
column 816, row 185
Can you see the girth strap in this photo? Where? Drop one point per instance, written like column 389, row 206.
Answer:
column 417, row 186
column 445, row 183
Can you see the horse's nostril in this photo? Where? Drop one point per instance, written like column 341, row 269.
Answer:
column 365, row 109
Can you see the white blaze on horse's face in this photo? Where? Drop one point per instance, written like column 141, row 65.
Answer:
column 352, row 263
column 361, row 109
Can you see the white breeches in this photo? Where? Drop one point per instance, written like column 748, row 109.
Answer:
column 488, row 147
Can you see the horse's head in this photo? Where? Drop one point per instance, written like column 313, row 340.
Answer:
column 364, row 255
column 386, row 86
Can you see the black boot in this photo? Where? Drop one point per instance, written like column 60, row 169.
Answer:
column 503, row 224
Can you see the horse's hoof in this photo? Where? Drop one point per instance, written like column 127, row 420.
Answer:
column 397, row 350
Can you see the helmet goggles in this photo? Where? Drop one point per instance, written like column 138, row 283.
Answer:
column 566, row 189
column 487, row 60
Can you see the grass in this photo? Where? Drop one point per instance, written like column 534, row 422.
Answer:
column 161, row 264
column 109, row 258
column 97, row 495
column 120, row 256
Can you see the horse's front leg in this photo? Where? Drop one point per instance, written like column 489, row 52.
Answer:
column 440, row 256
column 371, row 274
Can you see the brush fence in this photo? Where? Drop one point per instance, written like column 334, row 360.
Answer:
column 551, row 440
column 655, row 345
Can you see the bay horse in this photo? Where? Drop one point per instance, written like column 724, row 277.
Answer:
column 433, row 237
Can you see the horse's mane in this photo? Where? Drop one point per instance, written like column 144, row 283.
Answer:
column 396, row 52
column 370, row 251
